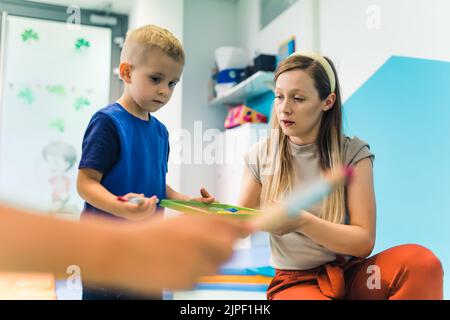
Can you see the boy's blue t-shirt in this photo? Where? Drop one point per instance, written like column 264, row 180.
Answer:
column 131, row 153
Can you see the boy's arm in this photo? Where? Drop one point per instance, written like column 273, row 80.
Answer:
column 174, row 195
column 91, row 190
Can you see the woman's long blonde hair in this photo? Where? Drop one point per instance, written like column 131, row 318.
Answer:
column 329, row 144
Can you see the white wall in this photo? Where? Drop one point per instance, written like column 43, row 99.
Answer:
column 170, row 15
column 347, row 31
column 214, row 23
column 296, row 21
column 361, row 35
column 207, row 26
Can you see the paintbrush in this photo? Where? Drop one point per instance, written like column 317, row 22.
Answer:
column 302, row 199
column 134, row 200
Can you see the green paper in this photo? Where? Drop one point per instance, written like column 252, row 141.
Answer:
column 213, row 208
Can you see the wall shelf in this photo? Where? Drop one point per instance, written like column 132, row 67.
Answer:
column 258, row 84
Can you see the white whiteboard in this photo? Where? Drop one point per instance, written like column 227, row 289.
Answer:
column 55, row 78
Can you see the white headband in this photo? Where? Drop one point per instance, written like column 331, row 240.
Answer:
column 325, row 64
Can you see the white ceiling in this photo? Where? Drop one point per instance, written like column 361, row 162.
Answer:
column 118, row 6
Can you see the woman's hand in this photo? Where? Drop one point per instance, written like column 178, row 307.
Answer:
column 293, row 225
column 206, row 197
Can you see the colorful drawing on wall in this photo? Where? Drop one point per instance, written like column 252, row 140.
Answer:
column 81, row 103
column 29, row 35
column 27, row 96
column 61, row 158
column 82, row 44
column 57, row 90
column 214, row 208
column 57, row 124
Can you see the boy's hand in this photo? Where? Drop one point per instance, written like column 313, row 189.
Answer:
column 138, row 212
column 206, row 197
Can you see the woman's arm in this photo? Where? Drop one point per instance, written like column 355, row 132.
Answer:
column 357, row 238
column 250, row 191
column 171, row 194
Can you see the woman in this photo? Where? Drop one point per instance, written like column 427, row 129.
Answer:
column 323, row 254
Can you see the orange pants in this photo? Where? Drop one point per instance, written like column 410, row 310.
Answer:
column 404, row 272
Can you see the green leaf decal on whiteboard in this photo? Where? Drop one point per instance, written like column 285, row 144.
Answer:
column 57, row 90
column 57, row 124
column 26, row 95
column 81, row 103
column 29, row 35
column 82, row 43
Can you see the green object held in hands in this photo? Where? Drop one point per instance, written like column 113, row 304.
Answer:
column 213, row 208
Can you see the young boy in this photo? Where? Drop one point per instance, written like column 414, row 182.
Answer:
column 125, row 148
